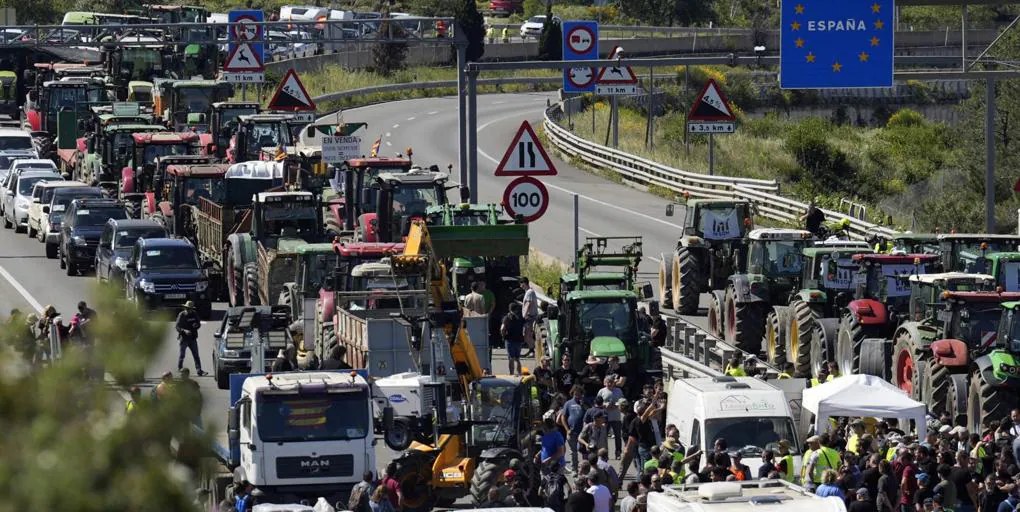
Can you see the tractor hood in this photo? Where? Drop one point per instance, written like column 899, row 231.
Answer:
column 608, row 346
column 1000, row 367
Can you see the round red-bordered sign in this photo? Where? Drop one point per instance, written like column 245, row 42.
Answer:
column 527, row 197
column 580, row 40
column 581, row 77
column 246, row 28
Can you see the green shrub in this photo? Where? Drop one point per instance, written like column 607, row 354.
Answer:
column 905, row 117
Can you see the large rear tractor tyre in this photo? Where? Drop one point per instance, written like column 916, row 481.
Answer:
column 399, row 437
column 749, row 326
column 686, row 289
column 414, row 475
column 251, row 285
column 957, row 398
column 848, row 345
column 133, row 209
column 775, row 334
column 909, row 371
column 939, row 380
column 488, row 475
column 801, row 325
column 987, row 403
column 234, row 276
column 823, row 344
column 666, row 281
column 716, row 326
column 875, row 358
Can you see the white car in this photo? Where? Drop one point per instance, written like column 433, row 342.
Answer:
column 18, row 166
column 533, row 27
column 18, row 198
column 38, row 211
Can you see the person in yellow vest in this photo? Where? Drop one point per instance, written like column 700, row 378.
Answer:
column 823, row 376
column 132, row 403
column 735, row 368
column 784, row 462
column 823, row 458
column 852, row 443
column 788, row 371
column 506, row 34
column 490, row 33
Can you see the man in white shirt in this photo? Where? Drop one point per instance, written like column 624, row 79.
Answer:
column 603, row 498
column 530, row 310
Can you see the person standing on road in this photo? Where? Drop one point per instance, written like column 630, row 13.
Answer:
column 390, row 487
column 192, row 395
column 474, row 302
column 611, row 396
column 530, row 310
column 79, row 322
column 512, row 330
column 187, row 327
column 564, row 376
column 572, row 420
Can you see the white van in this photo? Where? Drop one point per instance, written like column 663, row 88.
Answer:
column 749, row 414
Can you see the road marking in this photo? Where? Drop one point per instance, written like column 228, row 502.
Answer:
column 498, row 102
column 592, row 233
column 412, row 118
column 387, row 134
column 396, row 126
column 434, row 112
column 388, row 143
column 653, row 258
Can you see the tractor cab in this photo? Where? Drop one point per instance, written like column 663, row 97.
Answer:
column 55, row 97
column 183, row 104
column 398, row 199
column 915, row 243
column 151, row 146
column 257, row 132
column 503, row 411
column 884, row 278
column 775, row 262
column 186, row 185
column 9, row 94
column 126, row 64
column 715, row 220
column 595, row 323
column 379, row 278
column 929, row 291
column 829, row 278
column 224, row 123
column 1005, row 266
column 313, row 282
column 960, row 251
column 285, row 215
column 593, row 281
column 109, row 151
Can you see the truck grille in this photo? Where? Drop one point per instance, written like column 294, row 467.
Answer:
column 329, row 466
column 174, row 287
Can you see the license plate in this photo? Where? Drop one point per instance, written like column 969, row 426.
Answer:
column 174, row 296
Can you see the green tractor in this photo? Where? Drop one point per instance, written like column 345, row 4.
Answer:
column 915, row 243
column 805, row 333
column 711, row 248
column 1004, row 266
column 934, row 355
column 9, row 94
column 774, row 264
column 992, row 396
column 961, row 250
column 108, row 152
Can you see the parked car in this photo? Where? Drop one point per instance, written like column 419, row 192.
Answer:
column 533, row 27
column 18, row 163
column 116, row 243
column 42, row 194
column 79, row 234
column 506, row 7
column 53, row 214
column 18, row 197
column 165, row 272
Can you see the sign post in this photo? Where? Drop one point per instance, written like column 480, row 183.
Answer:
column 616, row 80
column 826, row 44
column 710, row 114
column 245, row 56
column 525, row 158
column 580, row 42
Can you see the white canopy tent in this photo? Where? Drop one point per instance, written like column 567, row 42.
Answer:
column 861, row 396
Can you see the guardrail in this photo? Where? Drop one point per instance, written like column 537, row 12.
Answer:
column 437, row 84
column 763, row 193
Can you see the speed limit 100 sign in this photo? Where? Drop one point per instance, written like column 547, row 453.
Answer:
column 526, row 197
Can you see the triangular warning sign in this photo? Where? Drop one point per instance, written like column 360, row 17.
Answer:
column 242, row 59
column 711, row 105
column 525, row 156
column 291, row 95
column 622, row 75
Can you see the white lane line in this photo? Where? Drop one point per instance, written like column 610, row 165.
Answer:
column 388, row 143
column 653, row 258
column 387, row 134
column 412, row 118
column 434, row 112
column 396, row 126
column 498, row 102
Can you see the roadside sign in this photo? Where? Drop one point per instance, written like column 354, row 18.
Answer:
column 302, row 117
column 337, row 149
column 527, row 197
column 245, row 26
column 616, row 80
column 711, row 105
column 580, row 42
column 525, row 156
column 826, row 44
column 711, row 127
column 291, row 95
column 243, row 65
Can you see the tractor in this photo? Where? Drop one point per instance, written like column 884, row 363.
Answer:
column 255, row 132
column 933, row 354
column 150, row 148
column 961, row 250
column 310, row 290
column 774, row 264
column 915, row 243
column 185, row 104
column 1004, row 266
column 223, row 124
column 396, row 199
column 9, row 94
column 806, row 335
column 712, row 248
column 173, row 200
column 359, row 174
column 991, row 397
column 880, row 303
column 107, row 152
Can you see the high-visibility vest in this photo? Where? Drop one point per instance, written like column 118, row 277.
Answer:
column 788, row 474
column 803, row 467
column 130, row 406
column 785, row 375
column 890, row 453
column 815, row 382
column 979, row 453
column 827, row 459
column 851, row 444
column 735, row 371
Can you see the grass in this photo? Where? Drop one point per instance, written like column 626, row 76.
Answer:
column 544, row 271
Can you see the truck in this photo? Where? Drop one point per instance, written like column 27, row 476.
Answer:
column 235, row 340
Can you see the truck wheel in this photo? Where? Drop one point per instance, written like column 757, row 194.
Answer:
column 802, row 324
column 251, row 285
column 686, row 292
column 399, row 437
column 775, row 334
column 848, row 345
column 222, row 378
column 716, row 299
column 956, row 399
column 988, row 403
column 748, row 325
column 488, row 475
column 666, row 281
column 909, row 368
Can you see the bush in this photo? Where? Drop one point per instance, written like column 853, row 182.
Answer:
column 822, row 165
column 533, row 8
column 764, row 127
column 905, row 117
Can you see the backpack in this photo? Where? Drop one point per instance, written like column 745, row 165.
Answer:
column 358, row 501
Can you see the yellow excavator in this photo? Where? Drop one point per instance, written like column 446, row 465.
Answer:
column 499, row 415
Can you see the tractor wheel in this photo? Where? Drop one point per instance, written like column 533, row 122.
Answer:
column 399, row 437
column 666, row 281
column 875, row 358
column 909, row 368
column 488, row 475
column 235, row 276
column 987, row 403
column 956, row 401
column 133, row 209
column 775, row 334
column 748, row 325
column 686, row 291
column 51, row 251
column 823, row 343
column 251, row 284
column 716, row 299
column 414, row 475
column 848, row 345
column 32, row 233
column 729, row 316
column 939, row 380
column 799, row 349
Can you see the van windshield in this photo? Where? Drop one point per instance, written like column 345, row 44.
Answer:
column 752, row 435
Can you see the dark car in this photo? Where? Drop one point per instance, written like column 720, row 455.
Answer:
column 57, row 208
column 115, row 245
column 164, row 272
column 79, row 234
column 234, row 339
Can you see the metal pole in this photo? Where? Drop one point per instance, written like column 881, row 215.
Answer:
column 711, row 154
column 577, row 230
column 616, row 124
column 462, row 113
column 566, row 106
column 990, row 155
column 593, row 102
column 963, row 40
column 244, row 92
column 651, row 106
column 472, row 105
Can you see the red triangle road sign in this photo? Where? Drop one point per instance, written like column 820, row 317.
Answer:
column 525, row 156
column 291, row 95
column 622, row 75
column 243, row 59
column 711, row 105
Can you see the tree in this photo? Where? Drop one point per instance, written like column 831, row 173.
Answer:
column 390, row 53
column 550, row 43
column 471, row 23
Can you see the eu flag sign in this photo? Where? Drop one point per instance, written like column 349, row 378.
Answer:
column 831, row 44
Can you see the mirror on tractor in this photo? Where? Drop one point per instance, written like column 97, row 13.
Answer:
column 669, row 210
column 234, row 424
column 646, row 290
column 387, row 415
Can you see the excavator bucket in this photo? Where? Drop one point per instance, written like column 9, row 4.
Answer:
column 480, row 241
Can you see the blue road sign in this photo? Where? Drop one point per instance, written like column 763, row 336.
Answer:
column 580, row 42
column 242, row 27
column 827, row 44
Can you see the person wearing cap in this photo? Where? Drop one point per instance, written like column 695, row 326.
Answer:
column 862, row 502
column 858, row 430
column 611, row 396
column 591, row 377
column 738, row 468
column 785, row 463
column 822, row 457
column 187, row 326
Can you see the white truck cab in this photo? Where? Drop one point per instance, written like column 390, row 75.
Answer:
column 749, row 414
column 745, row 496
